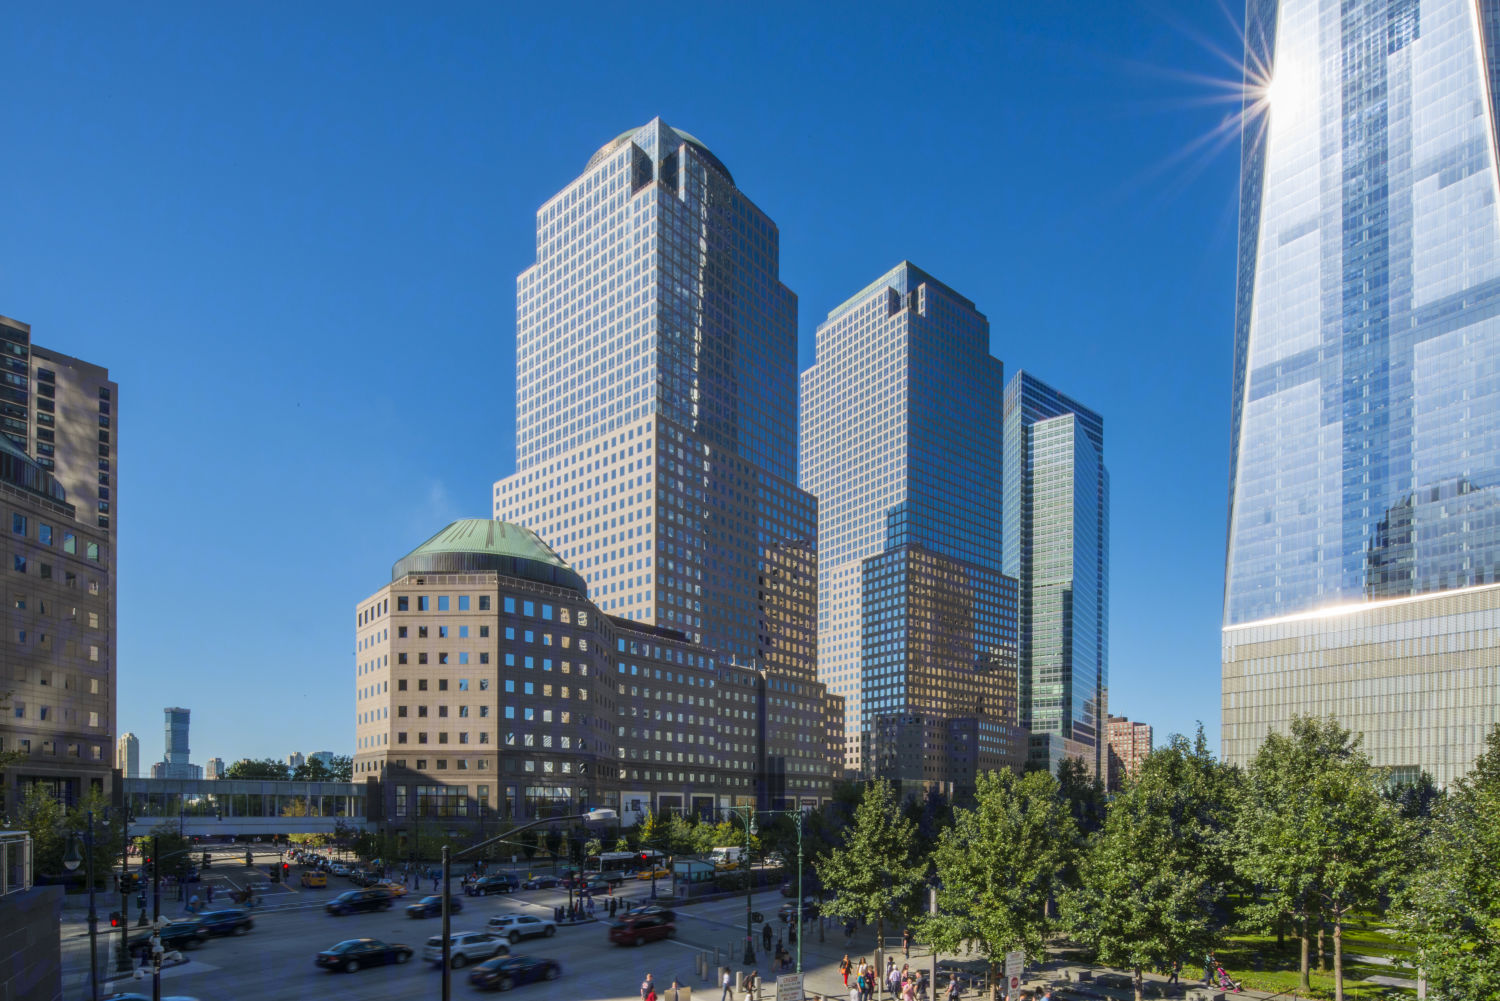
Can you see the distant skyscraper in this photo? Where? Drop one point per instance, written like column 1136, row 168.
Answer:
column 176, row 738
column 324, row 756
column 656, row 409
column 295, row 760
column 1129, row 744
column 214, row 769
column 1364, row 526
column 901, row 445
column 128, row 756
column 1057, row 546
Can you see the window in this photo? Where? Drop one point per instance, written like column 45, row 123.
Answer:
column 484, row 684
column 463, row 632
column 442, row 602
column 401, row 607
column 20, row 563
column 510, row 605
column 442, row 658
column 463, row 712
column 484, row 658
column 401, row 712
column 18, row 524
column 401, row 659
column 484, row 632
column 463, row 657
column 442, row 632
column 421, row 632
column 463, row 684
column 421, row 658
column 442, row 712
column 421, row 684
column 70, row 543
column 92, row 551
column 422, row 603
column 401, row 684
column 442, row 684
column 484, row 603
column 484, row 712
column 401, row 632
column 44, row 534
column 421, row 712
column 463, row 603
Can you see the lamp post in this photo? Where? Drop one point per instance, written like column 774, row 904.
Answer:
column 122, row 964
column 750, row 814
column 71, row 860
column 447, row 990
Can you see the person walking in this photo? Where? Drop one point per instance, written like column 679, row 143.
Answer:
column 844, row 968
column 953, row 988
column 892, row 977
column 752, row 986
column 209, row 889
column 906, row 943
column 726, row 982
column 648, row 987
column 765, row 936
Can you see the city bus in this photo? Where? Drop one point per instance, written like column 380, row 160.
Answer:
column 624, row 861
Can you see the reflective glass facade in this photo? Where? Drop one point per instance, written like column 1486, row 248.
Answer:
column 901, row 446
column 1366, row 415
column 1057, row 547
column 1365, row 449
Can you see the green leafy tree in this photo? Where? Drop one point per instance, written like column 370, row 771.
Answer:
column 1315, row 835
column 707, row 837
column 168, row 850
column 999, row 866
column 648, row 831
column 46, row 820
column 593, row 846
column 1449, row 909
column 266, row 769
column 1153, row 881
column 312, row 770
column 677, row 838
column 622, row 844
column 874, row 873
column 1084, row 794
column 341, row 768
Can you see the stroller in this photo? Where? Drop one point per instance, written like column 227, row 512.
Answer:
column 1218, row 977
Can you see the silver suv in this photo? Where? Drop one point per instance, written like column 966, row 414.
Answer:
column 467, row 947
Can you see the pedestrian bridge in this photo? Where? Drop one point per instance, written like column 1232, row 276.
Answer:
column 230, row 808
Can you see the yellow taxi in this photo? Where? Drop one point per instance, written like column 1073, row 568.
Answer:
column 726, row 866
column 314, row 879
column 396, row 889
column 653, row 874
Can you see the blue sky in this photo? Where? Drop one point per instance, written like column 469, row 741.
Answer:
column 292, row 233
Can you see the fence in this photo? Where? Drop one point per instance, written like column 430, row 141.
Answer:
column 15, row 862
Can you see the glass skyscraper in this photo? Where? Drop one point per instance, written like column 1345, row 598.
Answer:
column 1364, row 528
column 656, row 412
column 1057, row 546
column 901, row 444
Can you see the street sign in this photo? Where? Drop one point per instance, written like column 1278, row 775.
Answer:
column 789, row 987
column 1013, row 963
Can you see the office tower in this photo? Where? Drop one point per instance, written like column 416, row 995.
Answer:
column 656, row 411
column 295, row 760
column 128, row 756
column 326, row 757
column 177, row 765
column 488, row 685
column 1057, row 547
column 214, row 769
column 1364, row 531
column 901, row 444
column 1129, row 744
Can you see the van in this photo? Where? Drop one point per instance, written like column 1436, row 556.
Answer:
column 726, row 858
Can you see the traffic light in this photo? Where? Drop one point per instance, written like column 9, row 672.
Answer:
column 114, row 919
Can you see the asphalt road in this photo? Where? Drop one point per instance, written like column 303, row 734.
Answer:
column 275, row 960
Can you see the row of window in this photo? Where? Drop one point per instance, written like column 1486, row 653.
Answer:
column 20, row 525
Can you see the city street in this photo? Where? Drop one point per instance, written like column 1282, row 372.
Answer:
column 275, row 960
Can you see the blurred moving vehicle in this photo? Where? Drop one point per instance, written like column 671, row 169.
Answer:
column 353, row 901
column 509, row 971
column 501, row 883
column 465, row 947
column 515, row 927
column 639, row 929
column 317, row 880
column 230, row 921
column 431, row 907
column 355, row 953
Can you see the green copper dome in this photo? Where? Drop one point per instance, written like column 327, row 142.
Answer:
column 480, row 545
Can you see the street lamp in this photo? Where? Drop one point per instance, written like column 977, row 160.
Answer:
column 595, row 815
column 71, row 861
column 750, row 814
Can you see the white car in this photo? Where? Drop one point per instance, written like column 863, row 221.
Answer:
column 339, row 869
column 466, row 947
column 515, row 927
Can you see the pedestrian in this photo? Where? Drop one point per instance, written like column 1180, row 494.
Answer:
column 892, row 977
column 906, row 943
column 791, row 935
column 848, row 933
column 1172, row 974
column 752, row 986
column 909, row 990
column 844, row 968
column 854, row 993
column 725, row 981
column 765, row 936
column 648, row 986
column 953, row 988
column 434, row 884
column 676, row 990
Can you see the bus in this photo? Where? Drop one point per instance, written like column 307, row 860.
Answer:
column 624, row 861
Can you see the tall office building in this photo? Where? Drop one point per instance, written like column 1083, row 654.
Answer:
column 128, row 756
column 1057, row 547
column 1362, row 576
column 1129, row 745
column 901, row 444
column 214, row 769
column 175, row 738
column 295, row 760
column 656, row 408
column 58, row 659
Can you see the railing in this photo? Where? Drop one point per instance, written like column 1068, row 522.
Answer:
column 15, row 862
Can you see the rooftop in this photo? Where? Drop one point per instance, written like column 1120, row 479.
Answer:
column 482, row 544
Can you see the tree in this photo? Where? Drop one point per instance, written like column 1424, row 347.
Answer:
column 999, row 865
column 46, row 820
column 593, row 846
column 1450, row 907
column 621, row 844
column 264, row 769
column 707, row 837
column 677, row 838
column 297, row 807
column 875, row 873
column 341, row 768
column 648, row 831
column 312, row 770
column 1314, row 833
column 1084, row 794
column 171, row 849
column 1152, row 882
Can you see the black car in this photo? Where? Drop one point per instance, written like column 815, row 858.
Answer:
column 789, row 909
column 352, row 901
column 363, row 877
column 500, row 883
column 505, row 972
column 541, row 883
column 351, row 954
column 231, row 921
column 186, row 934
column 431, row 907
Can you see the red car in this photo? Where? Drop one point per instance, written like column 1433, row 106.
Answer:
column 640, row 929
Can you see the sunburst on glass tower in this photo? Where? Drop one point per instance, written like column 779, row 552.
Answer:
column 1363, row 570
column 656, row 419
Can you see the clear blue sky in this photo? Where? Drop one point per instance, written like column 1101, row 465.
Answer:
column 292, row 233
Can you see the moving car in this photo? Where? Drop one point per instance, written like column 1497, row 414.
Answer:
column 314, row 879
column 351, row 954
column 789, row 909
column 394, row 889
column 339, row 869
column 184, row 934
column 541, row 883
column 508, row 971
column 363, row 877
column 373, row 899
column 500, row 883
column 653, row 874
column 230, row 921
column 465, row 947
column 431, row 907
column 642, row 928
column 518, row 926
